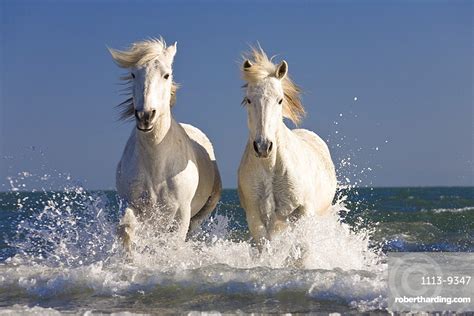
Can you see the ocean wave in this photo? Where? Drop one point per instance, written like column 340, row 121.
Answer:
column 69, row 251
column 19, row 309
column 453, row 210
column 356, row 288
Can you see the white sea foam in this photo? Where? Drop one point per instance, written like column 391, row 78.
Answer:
column 18, row 309
column 454, row 210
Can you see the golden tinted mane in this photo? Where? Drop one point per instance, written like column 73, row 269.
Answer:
column 137, row 55
column 263, row 67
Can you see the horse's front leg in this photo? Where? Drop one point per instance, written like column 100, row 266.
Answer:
column 297, row 214
column 277, row 224
column 257, row 228
column 126, row 229
column 182, row 221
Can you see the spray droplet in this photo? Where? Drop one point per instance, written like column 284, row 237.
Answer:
column 355, row 98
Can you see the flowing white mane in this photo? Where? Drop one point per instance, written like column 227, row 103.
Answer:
column 138, row 55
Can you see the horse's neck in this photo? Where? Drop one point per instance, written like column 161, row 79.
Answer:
column 164, row 136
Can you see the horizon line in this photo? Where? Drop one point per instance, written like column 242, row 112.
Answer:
column 355, row 187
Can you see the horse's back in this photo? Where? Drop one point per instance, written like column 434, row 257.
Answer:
column 319, row 146
column 327, row 175
column 313, row 140
column 199, row 137
column 209, row 188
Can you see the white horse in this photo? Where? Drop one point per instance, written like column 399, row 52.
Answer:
column 166, row 167
column 284, row 174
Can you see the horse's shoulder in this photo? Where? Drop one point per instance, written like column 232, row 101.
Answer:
column 199, row 137
column 312, row 139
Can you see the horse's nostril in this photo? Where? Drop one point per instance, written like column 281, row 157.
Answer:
column 136, row 115
column 270, row 147
column 255, row 147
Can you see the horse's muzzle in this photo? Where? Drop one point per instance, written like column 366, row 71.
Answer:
column 145, row 120
column 262, row 147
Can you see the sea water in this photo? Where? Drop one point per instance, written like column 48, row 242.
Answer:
column 60, row 253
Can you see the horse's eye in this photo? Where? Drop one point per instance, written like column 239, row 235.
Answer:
column 133, row 75
column 166, row 76
column 279, row 102
column 248, row 101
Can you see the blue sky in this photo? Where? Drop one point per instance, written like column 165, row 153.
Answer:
column 408, row 63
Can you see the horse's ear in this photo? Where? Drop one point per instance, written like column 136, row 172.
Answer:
column 171, row 50
column 282, row 70
column 247, row 64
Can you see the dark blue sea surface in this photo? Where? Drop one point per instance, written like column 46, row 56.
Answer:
column 59, row 252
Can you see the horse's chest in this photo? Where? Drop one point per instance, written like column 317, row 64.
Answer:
column 169, row 184
column 277, row 194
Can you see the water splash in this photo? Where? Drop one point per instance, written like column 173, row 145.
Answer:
column 66, row 244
